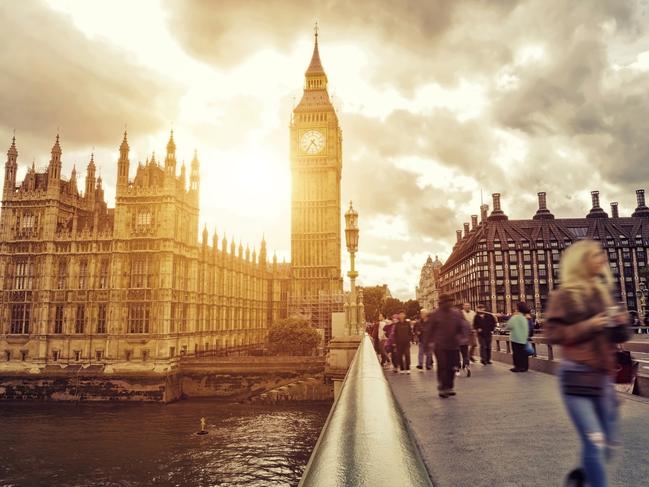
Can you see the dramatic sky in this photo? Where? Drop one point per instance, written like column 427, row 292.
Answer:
column 438, row 101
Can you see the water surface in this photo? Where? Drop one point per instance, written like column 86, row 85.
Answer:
column 145, row 444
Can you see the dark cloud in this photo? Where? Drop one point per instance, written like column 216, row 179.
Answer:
column 53, row 76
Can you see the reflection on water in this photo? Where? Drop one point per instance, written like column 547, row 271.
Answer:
column 144, row 444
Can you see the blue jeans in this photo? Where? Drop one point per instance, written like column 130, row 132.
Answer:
column 595, row 418
column 426, row 350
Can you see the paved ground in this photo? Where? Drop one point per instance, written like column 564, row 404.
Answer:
column 505, row 429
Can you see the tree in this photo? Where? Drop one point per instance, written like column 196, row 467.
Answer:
column 412, row 308
column 391, row 306
column 373, row 300
column 293, row 336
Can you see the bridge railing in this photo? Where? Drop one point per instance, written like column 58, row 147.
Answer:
column 365, row 440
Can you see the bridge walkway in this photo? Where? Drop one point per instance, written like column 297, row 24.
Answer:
column 505, row 429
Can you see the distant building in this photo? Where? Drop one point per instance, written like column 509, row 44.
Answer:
column 499, row 261
column 427, row 292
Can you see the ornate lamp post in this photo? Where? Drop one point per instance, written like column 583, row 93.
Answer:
column 351, row 238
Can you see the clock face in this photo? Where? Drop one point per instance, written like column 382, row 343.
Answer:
column 312, row 142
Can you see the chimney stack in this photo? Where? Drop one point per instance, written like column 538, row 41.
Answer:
column 642, row 209
column 614, row 210
column 543, row 213
column 596, row 211
column 497, row 213
column 466, row 229
column 474, row 222
column 458, row 234
column 484, row 213
column 595, row 197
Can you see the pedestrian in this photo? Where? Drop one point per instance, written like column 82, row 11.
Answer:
column 443, row 327
column 484, row 325
column 389, row 343
column 463, row 341
column 518, row 335
column 383, row 338
column 402, row 333
column 469, row 316
column 425, row 349
column 583, row 319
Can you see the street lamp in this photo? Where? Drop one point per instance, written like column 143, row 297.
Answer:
column 351, row 238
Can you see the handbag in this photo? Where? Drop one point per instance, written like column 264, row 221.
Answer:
column 627, row 368
column 583, row 383
column 529, row 349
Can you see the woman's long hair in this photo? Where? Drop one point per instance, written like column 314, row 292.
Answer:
column 575, row 278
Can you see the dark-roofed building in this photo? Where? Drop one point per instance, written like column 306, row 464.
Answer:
column 499, row 261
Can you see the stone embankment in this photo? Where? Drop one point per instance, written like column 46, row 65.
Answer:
column 312, row 389
column 225, row 378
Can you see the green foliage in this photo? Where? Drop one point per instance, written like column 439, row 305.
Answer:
column 293, row 336
column 373, row 301
column 392, row 306
column 412, row 308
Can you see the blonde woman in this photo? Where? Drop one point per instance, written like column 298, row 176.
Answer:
column 583, row 319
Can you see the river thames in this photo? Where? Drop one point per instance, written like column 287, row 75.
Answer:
column 60, row 444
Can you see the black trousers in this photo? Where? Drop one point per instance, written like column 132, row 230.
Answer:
column 519, row 356
column 464, row 355
column 403, row 355
column 447, row 360
column 485, row 348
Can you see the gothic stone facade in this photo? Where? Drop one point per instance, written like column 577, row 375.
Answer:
column 427, row 291
column 124, row 288
column 499, row 261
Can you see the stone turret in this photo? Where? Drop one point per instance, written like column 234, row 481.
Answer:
column 11, row 168
column 89, row 193
column 54, row 167
column 123, row 165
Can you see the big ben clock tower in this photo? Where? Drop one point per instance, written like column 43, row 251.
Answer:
column 316, row 165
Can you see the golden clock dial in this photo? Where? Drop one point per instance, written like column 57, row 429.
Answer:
column 312, row 142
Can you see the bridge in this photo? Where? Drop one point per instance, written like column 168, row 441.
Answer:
column 501, row 429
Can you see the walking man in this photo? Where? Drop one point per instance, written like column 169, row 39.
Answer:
column 484, row 324
column 469, row 316
column 444, row 327
column 425, row 350
column 402, row 337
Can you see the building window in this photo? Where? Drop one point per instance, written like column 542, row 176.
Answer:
column 23, row 355
column 83, row 274
column 101, row 318
column 143, row 220
column 58, row 319
column 145, row 355
column 138, row 318
column 23, row 278
column 103, row 274
column 56, row 355
column 128, row 354
column 80, row 319
column 77, row 355
column 99, row 355
column 140, row 272
column 20, row 318
column 8, row 355
column 62, row 274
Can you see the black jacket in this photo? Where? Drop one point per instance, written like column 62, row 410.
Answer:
column 484, row 325
column 444, row 327
column 402, row 332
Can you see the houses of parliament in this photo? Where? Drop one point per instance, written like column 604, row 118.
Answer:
column 134, row 287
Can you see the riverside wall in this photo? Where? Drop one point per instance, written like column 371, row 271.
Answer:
column 226, row 378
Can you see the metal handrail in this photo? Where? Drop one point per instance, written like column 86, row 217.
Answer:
column 365, row 440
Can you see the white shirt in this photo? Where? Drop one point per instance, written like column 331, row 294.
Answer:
column 469, row 316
